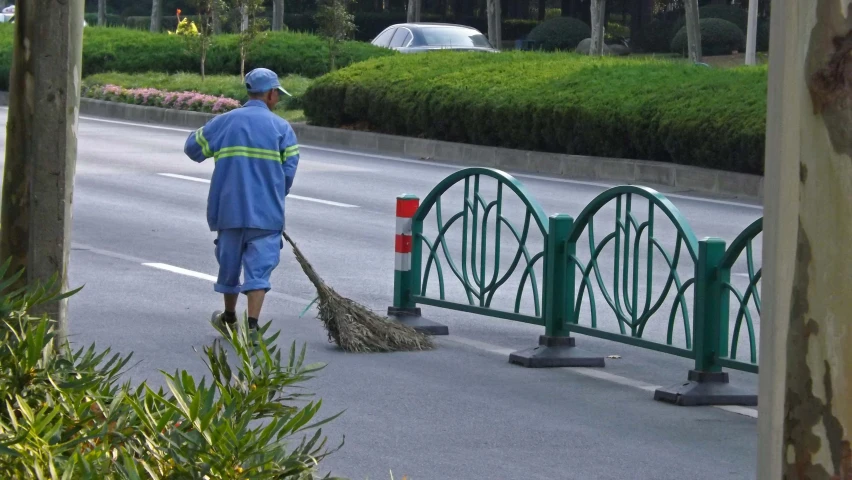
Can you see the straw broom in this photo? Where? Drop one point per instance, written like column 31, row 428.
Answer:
column 355, row 328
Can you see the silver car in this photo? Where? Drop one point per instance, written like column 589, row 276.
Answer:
column 424, row 37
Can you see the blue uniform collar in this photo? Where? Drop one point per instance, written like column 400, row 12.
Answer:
column 256, row 103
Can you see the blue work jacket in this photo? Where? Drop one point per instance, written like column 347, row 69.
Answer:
column 256, row 156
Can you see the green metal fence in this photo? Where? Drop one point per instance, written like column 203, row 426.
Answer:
column 641, row 227
column 480, row 283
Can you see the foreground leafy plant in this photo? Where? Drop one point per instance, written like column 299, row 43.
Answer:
column 63, row 414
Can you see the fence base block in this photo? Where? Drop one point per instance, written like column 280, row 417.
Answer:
column 554, row 352
column 412, row 318
column 706, row 388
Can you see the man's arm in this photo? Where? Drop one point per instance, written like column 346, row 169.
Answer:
column 290, row 156
column 197, row 147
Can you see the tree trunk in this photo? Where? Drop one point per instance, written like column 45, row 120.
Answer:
column 244, row 23
column 493, row 7
column 41, row 145
column 277, row 15
column 751, row 34
column 598, row 15
column 101, row 13
column 216, row 21
column 693, row 30
column 413, row 15
column 805, row 421
column 242, row 63
column 156, row 15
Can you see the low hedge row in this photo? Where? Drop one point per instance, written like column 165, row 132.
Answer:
column 228, row 86
column 612, row 107
column 134, row 51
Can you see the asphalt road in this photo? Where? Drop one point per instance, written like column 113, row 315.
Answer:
column 145, row 256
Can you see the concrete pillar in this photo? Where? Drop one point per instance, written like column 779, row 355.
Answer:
column 805, row 396
column 41, row 142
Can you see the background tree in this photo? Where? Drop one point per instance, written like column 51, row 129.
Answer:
column 101, row 13
column 208, row 12
column 413, row 14
column 598, row 22
column 693, row 30
column 805, row 418
column 277, row 15
column 249, row 21
column 336, row 24
column 156, row 15
column 494, row 22
column 41, row 145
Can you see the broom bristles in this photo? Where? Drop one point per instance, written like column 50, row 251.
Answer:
column 355, row 328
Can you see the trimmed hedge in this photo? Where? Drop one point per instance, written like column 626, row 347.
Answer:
column 564, row 103
column 718, row 37
column 560, row 33
column 736, row 15
column 659, row 33
column 133, row 51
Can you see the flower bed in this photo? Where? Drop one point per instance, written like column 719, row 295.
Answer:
column 152, row 97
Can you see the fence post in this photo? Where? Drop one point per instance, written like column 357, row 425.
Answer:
column 406, row 275
column 707, row 384
column 556, row 348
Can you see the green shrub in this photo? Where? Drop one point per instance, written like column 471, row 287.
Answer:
column 734, row 14
column 560, row 33
column 112, row 20
column 615, row 31
column 564, row 103
column 718, row 37
column 7, row 32
column 65, row 414
column 133, row 51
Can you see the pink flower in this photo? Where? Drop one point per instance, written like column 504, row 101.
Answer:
column 176, row 100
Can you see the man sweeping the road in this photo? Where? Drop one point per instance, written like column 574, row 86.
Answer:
column 256, row 156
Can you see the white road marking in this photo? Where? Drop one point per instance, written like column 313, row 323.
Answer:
column 203, row 276
column 184, row 177
column 483, row 346
column 182, row 271
column 749, row 412
column 441, row 165
column 297, row 197
column 596, row 373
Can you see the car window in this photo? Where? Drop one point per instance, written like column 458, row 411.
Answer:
column 384, row 38
column 454, row 37
column 400, row 38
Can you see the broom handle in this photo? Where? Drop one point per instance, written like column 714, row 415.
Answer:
column 306, row 267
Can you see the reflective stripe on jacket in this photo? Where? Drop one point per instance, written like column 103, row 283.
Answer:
column 255, row 156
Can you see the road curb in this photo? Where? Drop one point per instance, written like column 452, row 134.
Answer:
column 574, row 167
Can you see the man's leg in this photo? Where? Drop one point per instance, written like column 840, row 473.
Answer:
column 231, row 303
column 229, row 255
column 262, row 255
column 255, row 303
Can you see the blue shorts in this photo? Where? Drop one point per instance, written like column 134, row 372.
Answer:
column 255, row 252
